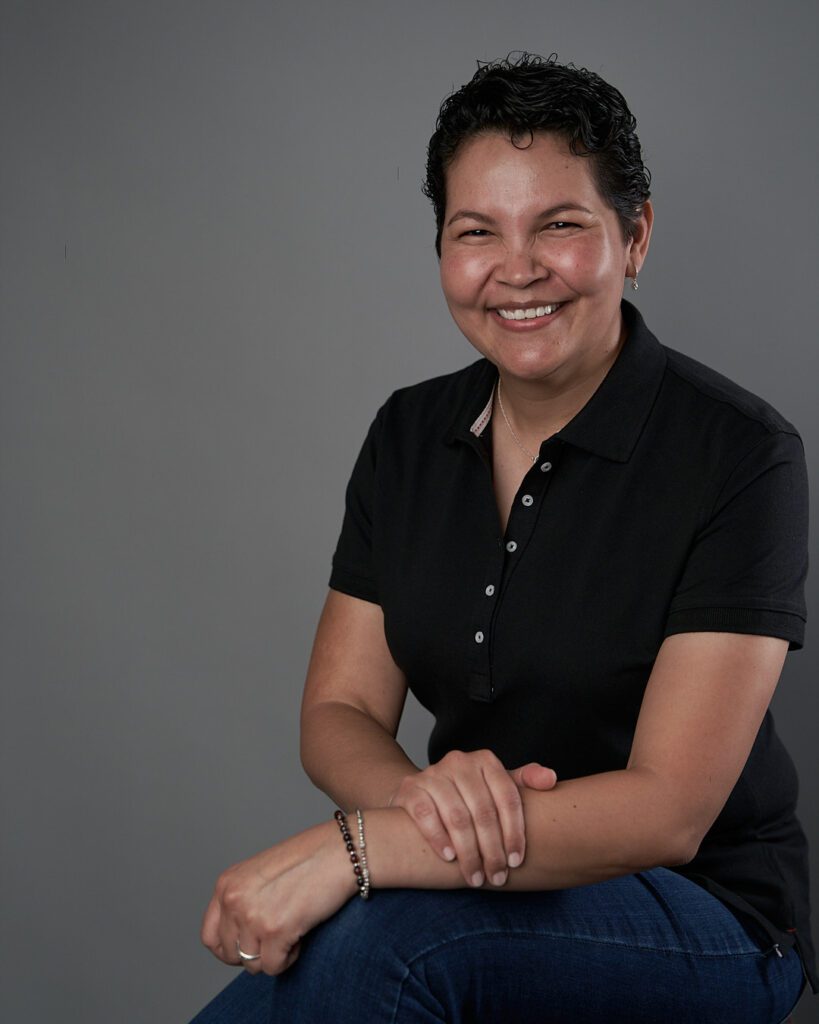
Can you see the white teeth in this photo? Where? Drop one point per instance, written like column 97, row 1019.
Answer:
column 528, row 314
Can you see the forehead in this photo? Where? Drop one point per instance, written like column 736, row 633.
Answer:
column 491, row 169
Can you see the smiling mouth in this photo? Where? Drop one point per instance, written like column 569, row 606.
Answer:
column 533, row 313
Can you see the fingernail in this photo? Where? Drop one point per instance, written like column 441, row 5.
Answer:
column 477, row 879
column 499, row 878
column 449, row 853
column 515, row 860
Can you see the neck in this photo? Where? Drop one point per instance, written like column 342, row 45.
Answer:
column 539, row 408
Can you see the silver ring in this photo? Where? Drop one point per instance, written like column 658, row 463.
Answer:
column 247, row 956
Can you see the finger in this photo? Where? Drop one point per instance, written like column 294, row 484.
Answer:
column 460, row 826
column 483, row 808
column 293, row 955
column 218, row 952
column 534, row 776
column 251, row 948
column 507, row 799
column 276, row 957
column 420, row 804
column 209, row 933
column 228, row 936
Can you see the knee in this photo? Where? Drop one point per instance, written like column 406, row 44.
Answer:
column 386, row 933
column 352, row 967
column 372, row 930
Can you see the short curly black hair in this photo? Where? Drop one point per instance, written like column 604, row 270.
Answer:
column 529, row 94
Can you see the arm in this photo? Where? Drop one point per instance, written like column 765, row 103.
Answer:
column 702, row 709
column 467, row 805
column 353, row 699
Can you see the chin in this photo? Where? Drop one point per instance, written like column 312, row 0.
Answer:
column 531, row 366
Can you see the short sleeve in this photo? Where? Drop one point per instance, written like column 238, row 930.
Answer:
column 746, row 569
column 353, row 570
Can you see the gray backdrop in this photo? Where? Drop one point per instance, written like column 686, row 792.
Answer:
column 216, row 263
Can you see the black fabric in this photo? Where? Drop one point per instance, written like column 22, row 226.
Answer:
column 673, row 502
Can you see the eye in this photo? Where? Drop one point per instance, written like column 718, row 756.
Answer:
column 561, row 225
column 474, row 233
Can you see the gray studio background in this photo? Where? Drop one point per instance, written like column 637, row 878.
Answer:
column 215, row 264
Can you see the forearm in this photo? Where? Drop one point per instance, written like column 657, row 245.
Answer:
column 583, row 831
column 350, row 756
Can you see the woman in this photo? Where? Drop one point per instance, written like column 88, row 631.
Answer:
column 586, row 551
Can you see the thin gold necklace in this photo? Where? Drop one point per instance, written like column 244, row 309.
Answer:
column 515, row 437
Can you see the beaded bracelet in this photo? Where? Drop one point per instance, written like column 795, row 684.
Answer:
column 362, row 848
column 362, row 875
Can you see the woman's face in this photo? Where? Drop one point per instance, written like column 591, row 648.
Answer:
column 527, row 229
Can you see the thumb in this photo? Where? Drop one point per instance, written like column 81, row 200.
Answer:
column 534, row 776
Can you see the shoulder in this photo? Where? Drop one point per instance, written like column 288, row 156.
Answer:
column 704, row 418
column 706, row 388
column 702, row 429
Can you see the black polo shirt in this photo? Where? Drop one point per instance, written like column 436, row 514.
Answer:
column 673, row 502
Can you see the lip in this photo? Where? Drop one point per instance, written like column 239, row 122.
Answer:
column 531, row 304
column 518, row 326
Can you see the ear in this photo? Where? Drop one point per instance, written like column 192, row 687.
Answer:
column 638, row 246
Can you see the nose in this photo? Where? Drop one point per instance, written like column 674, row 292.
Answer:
column 520, row 269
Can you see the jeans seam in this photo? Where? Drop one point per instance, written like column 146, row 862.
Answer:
column 518, row 933
column 572, row 937
column 407, row 973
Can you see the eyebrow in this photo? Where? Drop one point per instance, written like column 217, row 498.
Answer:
column 485, row 219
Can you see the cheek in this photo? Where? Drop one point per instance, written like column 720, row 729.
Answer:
column 595, row 265
column 587, row 261
column 462, row 276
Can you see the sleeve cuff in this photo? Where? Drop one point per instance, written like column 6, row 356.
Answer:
column 356, row 586
column 754, row 621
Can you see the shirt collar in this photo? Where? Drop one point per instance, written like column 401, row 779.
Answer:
column 611, row 422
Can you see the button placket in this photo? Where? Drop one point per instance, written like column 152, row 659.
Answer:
column 486, row 600
column 523, row 518
column 505, row 555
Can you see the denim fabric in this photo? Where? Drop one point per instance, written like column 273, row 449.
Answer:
column 651, row 947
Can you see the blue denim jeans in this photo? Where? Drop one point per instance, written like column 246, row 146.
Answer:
column 651, row 947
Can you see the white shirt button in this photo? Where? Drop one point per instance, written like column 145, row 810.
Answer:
column 490, row 590
column 527, row 500
column 545, row 467
column 511, row 546
column 479, row 637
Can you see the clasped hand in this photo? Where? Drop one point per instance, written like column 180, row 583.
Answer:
column 266, row 904
column 469, row 808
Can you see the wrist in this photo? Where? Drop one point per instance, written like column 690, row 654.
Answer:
column 399, row 857
column 342, row 864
